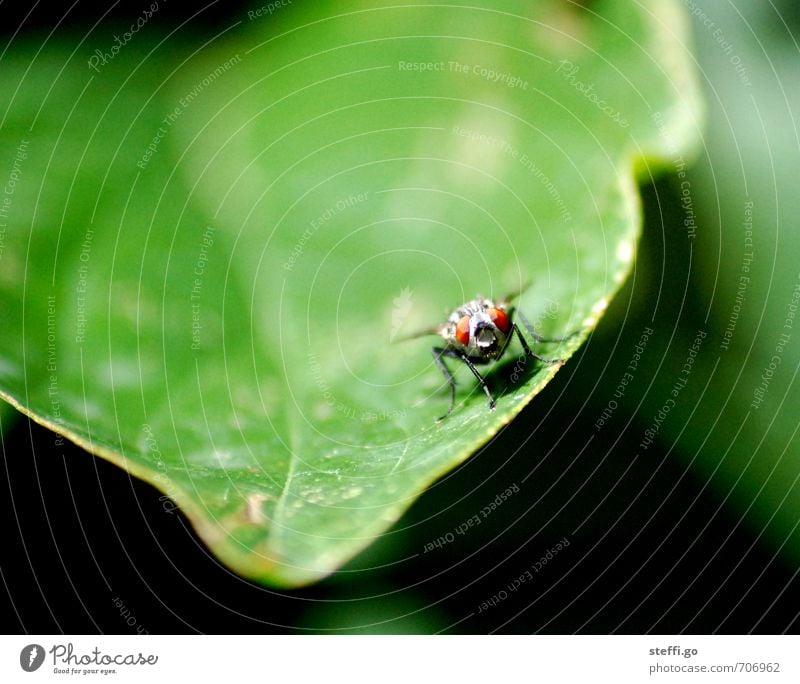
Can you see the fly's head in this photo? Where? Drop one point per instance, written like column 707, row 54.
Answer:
column 478, row 328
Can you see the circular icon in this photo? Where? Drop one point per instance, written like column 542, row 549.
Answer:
column 31, row 657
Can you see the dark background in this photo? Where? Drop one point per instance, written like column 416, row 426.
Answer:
column 652, row 547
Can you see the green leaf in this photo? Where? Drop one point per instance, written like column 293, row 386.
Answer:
column 736, row 424
column 213, row 252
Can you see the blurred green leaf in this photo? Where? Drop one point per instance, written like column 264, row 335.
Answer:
column 737, row 424
column 212, row 251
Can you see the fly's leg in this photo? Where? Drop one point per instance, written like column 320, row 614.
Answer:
column 438, row 353
column 535, row 335
column 477, row 374
column 529, row 351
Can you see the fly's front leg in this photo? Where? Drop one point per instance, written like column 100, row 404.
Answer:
column 477, row 374
column 438, row 353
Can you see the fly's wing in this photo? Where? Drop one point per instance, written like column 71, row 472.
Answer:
column 425, row 332
column 511, row 296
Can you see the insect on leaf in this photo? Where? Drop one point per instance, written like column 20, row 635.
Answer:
column 212, row 252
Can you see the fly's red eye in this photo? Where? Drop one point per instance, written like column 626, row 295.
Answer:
column 500, row 319
column 462, row 330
